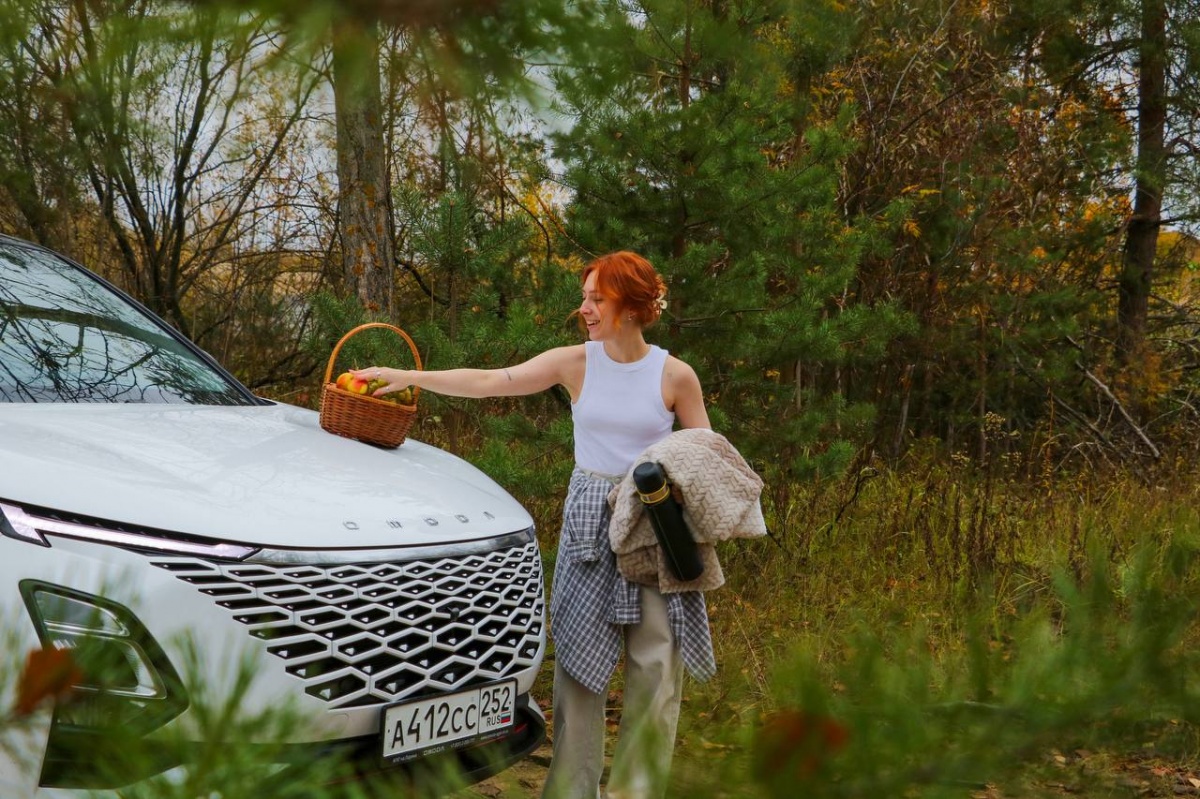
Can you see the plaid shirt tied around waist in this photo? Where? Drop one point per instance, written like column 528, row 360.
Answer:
column 590, row 600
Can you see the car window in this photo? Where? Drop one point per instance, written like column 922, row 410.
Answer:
column 67, row 337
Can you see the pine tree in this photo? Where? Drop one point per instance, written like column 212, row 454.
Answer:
column 693, row 142
column 1133, row 61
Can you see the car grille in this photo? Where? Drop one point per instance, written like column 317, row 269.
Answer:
column 370, row 633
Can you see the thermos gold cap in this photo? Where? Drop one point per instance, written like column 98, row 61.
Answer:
column 655, row 497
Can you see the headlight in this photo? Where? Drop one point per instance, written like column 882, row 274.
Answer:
column 16, row 523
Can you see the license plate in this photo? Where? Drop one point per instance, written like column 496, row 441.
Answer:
column 448, row 721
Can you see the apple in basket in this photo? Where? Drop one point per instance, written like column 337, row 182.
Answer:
column 348, row 382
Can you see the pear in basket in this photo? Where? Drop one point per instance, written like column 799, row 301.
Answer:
column 402, row 397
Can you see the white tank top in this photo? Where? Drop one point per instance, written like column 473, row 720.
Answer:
column 620, row 410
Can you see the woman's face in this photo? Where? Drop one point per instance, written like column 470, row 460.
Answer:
column 598, row 313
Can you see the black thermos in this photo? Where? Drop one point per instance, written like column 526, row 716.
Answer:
column 666, row 517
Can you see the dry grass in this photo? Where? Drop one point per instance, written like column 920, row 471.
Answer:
column 924, row 563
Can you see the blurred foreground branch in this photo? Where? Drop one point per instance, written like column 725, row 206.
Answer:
column 397, row 13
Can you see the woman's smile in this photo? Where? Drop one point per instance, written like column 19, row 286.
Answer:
column 591, row 310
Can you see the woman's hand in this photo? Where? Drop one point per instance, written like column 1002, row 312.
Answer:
column 397, row 379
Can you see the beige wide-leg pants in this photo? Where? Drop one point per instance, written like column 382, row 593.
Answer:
column 649, row 716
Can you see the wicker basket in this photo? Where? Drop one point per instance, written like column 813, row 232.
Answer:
column 364, row 417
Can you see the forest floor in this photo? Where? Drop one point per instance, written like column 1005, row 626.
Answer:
column 1079, row 774
column 523, row 780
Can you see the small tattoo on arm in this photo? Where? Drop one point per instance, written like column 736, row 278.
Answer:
column 509, row 374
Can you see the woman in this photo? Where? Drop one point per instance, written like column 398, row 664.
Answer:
column 626, row 394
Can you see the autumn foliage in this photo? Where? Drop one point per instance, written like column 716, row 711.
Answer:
column 48, row 674
column 794, row 744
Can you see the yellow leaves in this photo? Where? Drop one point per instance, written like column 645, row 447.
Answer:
column 915, row 188
column 911, row 228
column 1147, row 376
column 1109, row 209
column 713, row 746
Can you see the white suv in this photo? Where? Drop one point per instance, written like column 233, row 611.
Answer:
column 151, row 506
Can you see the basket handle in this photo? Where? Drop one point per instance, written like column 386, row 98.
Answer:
column 337, row 348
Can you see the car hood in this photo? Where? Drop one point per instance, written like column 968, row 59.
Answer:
column 264, row 475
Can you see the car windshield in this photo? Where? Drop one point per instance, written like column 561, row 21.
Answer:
column 67, row 337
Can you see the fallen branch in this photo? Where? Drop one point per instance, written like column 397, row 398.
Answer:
column 1120, row 409
column 1080, row 418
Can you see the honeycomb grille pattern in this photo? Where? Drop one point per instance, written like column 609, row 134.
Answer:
column 365, row 634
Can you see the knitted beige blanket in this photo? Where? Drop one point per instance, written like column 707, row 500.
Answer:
column 720, row 498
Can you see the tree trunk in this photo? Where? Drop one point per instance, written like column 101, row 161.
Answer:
column 364, row 205
column 1141, row 237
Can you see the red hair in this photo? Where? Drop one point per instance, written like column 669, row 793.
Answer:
column 628, row 280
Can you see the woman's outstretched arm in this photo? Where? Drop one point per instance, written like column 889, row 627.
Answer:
column 562, row 365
